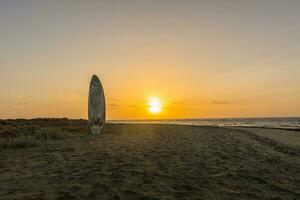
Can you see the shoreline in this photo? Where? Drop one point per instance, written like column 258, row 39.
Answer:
column 161, row 121
column 263, row 127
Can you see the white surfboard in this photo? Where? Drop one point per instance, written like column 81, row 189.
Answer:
column 96, row 107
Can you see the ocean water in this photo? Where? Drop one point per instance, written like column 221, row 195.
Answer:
column 284, row 123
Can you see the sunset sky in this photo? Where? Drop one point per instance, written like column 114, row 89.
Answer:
column 199, row 58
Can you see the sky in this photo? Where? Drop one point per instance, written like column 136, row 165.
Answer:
column 201, row 59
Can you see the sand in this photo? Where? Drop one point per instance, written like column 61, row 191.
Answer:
column 156, row 162
column 285, row 137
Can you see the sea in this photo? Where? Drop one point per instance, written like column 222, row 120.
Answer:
column 278, row 122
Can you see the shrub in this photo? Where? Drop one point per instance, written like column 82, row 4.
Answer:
column 48, row 133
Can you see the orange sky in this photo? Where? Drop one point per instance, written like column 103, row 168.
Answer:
column 201, row 58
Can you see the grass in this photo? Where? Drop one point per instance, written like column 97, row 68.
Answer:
column 49, row 133
column 28, row 136
column 23, row 133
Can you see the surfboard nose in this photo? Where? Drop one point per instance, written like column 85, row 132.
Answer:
column 95, row 77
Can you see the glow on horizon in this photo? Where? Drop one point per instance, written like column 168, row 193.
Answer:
column 154, row 105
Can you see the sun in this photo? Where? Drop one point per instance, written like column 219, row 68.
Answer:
column 154, row 105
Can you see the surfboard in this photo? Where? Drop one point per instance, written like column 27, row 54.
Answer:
column 96, row 106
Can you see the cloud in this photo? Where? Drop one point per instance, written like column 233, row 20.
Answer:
column 115, row 99
column 216, row 102
column 22, row 104
column 116, row 105
column 113, row 105
column 177, row 103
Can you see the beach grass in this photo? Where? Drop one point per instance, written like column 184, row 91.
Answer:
column 31, row 133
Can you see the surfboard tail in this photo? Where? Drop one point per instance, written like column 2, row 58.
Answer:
column 96, row 130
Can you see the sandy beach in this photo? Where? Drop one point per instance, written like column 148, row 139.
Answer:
column 134, row 161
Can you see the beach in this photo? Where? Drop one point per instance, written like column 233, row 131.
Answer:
column 142, row 161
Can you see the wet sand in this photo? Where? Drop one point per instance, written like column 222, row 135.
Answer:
column 156, row 162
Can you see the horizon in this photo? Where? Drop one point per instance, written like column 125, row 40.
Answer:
column 151, row 119
column 156, row 60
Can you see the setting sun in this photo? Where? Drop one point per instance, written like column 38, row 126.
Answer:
column 154, row 105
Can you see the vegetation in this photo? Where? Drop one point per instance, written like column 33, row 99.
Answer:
column 21, row 133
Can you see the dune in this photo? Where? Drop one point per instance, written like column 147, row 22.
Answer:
column 135, row 161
